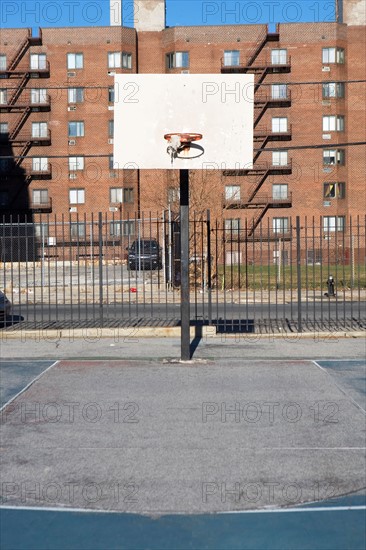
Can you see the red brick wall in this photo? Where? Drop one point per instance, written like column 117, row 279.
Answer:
column 206, row 45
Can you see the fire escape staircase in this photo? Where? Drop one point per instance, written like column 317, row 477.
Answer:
column 262, row 136
column 19, row 124
column 25, row 108
column 27, row 42
column 21, row 86
column 23, row 153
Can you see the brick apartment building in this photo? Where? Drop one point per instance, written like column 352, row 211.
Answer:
column 56, row 102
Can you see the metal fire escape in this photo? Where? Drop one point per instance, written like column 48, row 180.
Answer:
column 263, row 101
column 18, row 100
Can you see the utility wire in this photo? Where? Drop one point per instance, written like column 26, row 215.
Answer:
column 90, row 87
column 291, row 147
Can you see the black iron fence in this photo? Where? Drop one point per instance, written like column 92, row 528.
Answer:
column 101, row 270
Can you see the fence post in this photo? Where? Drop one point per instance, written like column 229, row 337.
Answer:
column 209, row 290
column 100, row 235
column 298, row 263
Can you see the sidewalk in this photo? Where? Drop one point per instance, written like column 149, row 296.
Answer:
column 133, row 344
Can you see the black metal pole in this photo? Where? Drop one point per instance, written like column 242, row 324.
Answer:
column 298, row 263
column 184, row 265
column 209, row 274
column 100, row 238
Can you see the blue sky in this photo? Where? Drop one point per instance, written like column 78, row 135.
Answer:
column 62, row 13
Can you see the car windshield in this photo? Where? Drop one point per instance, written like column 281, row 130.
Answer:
column 145, row 245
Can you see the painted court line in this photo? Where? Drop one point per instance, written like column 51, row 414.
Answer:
column 28, row 385
column 264, row 511
column 340, row 387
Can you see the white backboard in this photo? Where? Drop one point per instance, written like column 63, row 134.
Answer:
column 148, row 106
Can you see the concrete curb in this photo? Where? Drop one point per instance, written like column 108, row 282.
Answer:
column 132, row 334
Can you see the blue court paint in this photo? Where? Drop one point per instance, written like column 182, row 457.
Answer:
column 15, row 376
column 329, row 529
column 350, row 376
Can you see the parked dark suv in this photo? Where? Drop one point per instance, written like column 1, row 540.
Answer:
column 144, row 254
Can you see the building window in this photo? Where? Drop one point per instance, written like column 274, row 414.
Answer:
column 314, row 256
column 77, row 230
column 332, row 55
column 5, row 164
column 333, row 223
column 111, row 94
column 40, row 196
column 40, row 164
column 121, row 194
column 116, row 195
column 231, row 58
column 38, row 95
column 111, row 128
column 75, row 95
column 75, row 61
column 232, row 192
column 2, row 62
column 114, row 60
column 76, row 129
column 334, row 156
column 4, row 127
column 280, row 225
column 333, row 89
column 128, row 195
column 279, row 91
column 122, row 228
column 279, row 191
column 334, row 190
column 232, row 226
column 38, row 61
column 76, row 163
column 278, row 57
column 77, row 196
column 177, row 60
column 279, row 124
column 126, row 60
column 39, row 129
column 279, row 158
column 4, row 199
column 41, row 230
column 333, row 123
column 3, row 96
column 173, row 195
column 115, row 229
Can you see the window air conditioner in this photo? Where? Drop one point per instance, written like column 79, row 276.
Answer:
column 72, row 176
column 72, row 142
column 72, row 108
column 70, row 74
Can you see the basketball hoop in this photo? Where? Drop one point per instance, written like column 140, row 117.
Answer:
column 180, row 144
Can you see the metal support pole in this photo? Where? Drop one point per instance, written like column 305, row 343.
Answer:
column 209, row 273
column 298, row 263
column 184, row 265
column 100, row 237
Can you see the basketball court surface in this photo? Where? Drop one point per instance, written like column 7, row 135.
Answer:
column 234, row 454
